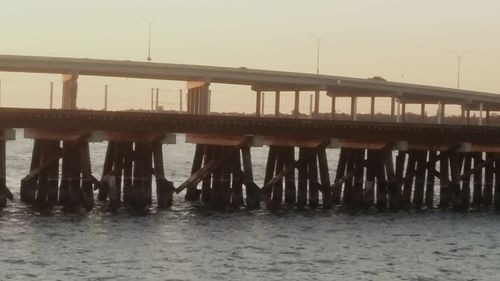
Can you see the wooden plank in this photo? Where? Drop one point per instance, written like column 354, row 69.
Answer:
column 222, row 140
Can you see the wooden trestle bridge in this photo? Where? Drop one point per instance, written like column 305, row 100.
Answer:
column 392, row 164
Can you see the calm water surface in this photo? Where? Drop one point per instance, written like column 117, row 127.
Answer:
column 189, row 243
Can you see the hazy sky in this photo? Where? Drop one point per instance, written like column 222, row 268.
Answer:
column 401, row 40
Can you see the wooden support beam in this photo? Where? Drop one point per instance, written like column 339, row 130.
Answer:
column 429, row 190
column 302, row 161
column 394, row 189
column 206, row 185
column 302, row 181
column 237, row 182
column 4, row 191
column 408, row 180
column 418, row 197
column 359, row 164
column 455, row 192
column 314, row 185
column 444, row 192
column 341, row 167
column 87, row 179
column 192, row 193
column 54, row 157
column 210, row 167
column 381, row 183
column 290, row 188
column 252, row 190
column 277, row 186
column 369, row 191
column 326, row 188
column 465, row 196
column 496, row 199
column 477, row 197
column 488, row 180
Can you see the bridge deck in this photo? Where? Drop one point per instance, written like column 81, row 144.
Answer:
column 89, row 120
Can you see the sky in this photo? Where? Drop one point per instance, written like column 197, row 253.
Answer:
column 401, row 40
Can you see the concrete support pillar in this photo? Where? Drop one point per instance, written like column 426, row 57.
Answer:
column 277, row 103
column 296, row 109
column 180, row 100
column 157, row 99
column 480, row 114
column 333, row 107
column 316, row 102
column 105, row 97
column 198, row 97
column 70, row 90
column 258, row 104
column 393, row 103
column 439, row 113
column 263, row 103
column 51, row 103
column 372, row 107
column 487, row 119
column 422, row 112
column 403, row 112
column 467, row 121
column 152, row 99
column 398, row 108
column 354, row 108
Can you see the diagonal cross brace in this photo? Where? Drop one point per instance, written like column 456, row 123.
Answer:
column 211, row 166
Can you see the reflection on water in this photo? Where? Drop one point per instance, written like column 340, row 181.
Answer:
column 191, row 243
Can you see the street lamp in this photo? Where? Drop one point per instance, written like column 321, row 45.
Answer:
column 318, row 41
column 459, row 61
column 150, row 23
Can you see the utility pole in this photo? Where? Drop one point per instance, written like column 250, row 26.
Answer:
column 150, row 23
column 318, row 41
column 459, row 62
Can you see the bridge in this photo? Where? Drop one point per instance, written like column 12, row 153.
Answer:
column 390, row 163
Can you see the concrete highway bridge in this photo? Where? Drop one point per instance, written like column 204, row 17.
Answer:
column 387, row 164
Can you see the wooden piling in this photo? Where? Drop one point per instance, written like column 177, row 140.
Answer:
column 429, row 189
column 42, row 186
column 400, row 165
column 394, row 190
column 102, row 195
column 408, row 180
column 496, row 200
column 290, row 187
column 237, row 182
column 277, row 187
column 341, row 167
column 348, row 184
column 369, row 191
column 418, row 198
column 164, row 188
column 302, row 181
column 488, row 179
column 325, row 179
column 252, row 190
column 477, row 196
column 87, row 188
column 53, row 175
column 357, row 191
column 455, row 192
column 270, row 167
column 192, row 193
column 28, row 188
column 128, row 159
column 207, row 180
column 381, row 184
column 4, row 191
column 314, row 185
column 226, row 178
column 465, row 196
column 444, row 189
